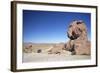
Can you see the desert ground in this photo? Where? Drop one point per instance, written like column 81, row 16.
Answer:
column 34, row 57
column 40, row 53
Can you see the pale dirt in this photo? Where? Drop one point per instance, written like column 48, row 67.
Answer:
column 44, row 57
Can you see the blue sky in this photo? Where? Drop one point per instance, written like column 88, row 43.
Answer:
column 49, row 26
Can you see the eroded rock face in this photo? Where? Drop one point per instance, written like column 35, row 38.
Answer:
column 78, row 43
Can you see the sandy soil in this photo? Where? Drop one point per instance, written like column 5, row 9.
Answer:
column 41, row 57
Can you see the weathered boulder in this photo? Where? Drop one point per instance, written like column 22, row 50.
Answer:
column 27, row 48
column 78, row 43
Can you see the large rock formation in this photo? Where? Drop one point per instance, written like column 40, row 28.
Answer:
column 78, row 43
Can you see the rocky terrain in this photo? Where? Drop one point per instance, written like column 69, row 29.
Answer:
column 78, row 46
